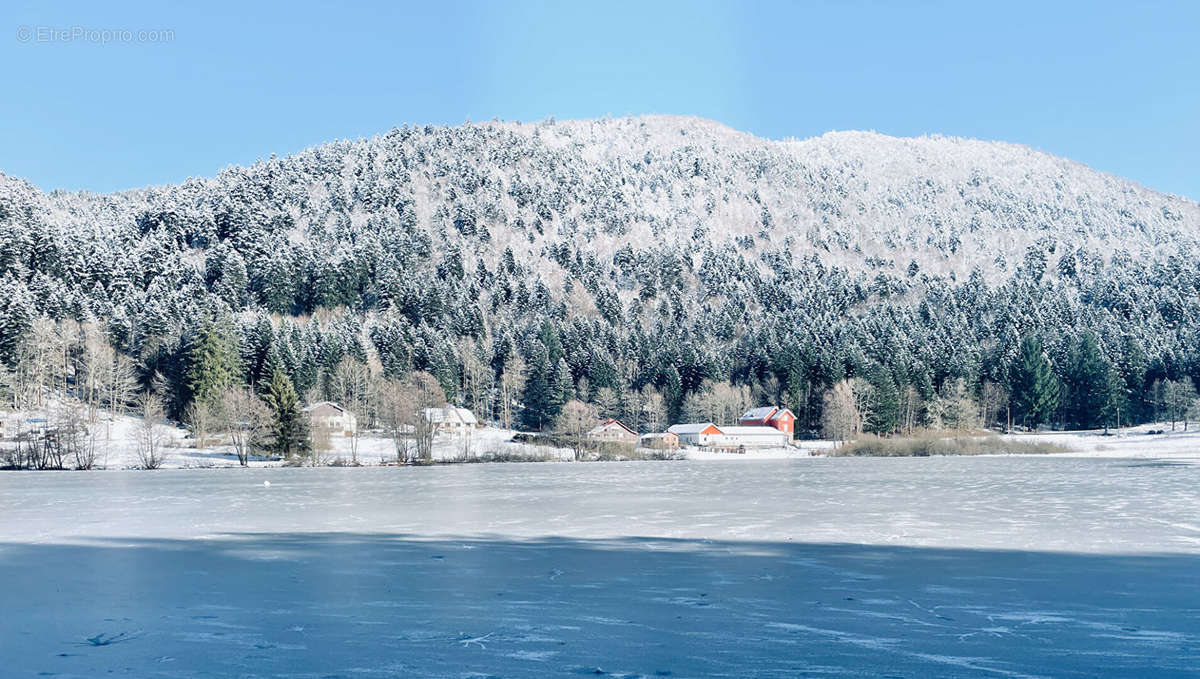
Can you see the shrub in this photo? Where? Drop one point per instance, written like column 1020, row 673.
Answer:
column 927, row 444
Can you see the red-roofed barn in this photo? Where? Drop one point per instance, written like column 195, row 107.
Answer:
column 770, row 416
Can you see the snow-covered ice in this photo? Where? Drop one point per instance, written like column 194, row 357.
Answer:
column 929, row 567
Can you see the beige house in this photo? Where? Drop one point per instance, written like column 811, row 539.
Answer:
column 451, row 420
column 660, row 441
column 613, row 430
column 331, row 417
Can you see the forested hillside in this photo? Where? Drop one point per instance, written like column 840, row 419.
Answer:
column 656, row 267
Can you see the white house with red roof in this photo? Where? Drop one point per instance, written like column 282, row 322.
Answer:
column 696, row 434
column 768, row 427
column 709, row 435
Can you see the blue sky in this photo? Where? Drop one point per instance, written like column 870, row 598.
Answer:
column 1113, row 85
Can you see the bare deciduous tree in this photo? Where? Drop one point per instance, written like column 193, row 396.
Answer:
column 654, row 411
column 88, row 365
column 476, row 378
column 574, row 422
column 910, row 408
column 721, row 403
column 427, row 394
column 151, row 434
column 607, row 402
column 954, row 407
column 201, row 419
column 992, row 401
column 75, row 439
column 351, row 385
column 512, row 381
column 847, row 409
column 44, row 357
column 321, row 450
column 1173, row 399
column 396, row 406
column 632, row 403
column 117, row 380
column 403, row 410
column 245, row 418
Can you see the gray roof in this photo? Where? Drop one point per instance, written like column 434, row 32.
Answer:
column 450, row 415
column 758, row 413
column 693, row 428
column 318, row 404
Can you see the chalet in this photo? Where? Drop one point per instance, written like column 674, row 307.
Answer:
column 613, row 430
column 770, row 416
column 751, row 437
column 701, row 434
column 331, row 417
column 660, row 441
column 451, row 420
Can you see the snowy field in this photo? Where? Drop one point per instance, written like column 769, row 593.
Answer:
column 116, row 446
column 824, row 567
column 1131, row 442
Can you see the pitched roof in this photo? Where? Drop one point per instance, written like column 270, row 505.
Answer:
column 759, row 413
column 314, row 406
column 449, row 414
column 691, row 428
column 608, row 423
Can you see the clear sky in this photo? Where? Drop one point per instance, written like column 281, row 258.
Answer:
column 1114, row 85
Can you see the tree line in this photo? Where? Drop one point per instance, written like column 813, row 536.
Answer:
column 240, row 379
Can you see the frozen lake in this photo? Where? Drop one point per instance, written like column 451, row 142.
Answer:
column 942, row 567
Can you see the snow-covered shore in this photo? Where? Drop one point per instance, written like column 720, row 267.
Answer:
column 1130, row 442
column 117, row 448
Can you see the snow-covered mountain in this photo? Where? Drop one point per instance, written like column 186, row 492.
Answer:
column 723, row 252
column 852, row 197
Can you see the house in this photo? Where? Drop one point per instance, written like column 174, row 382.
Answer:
column 331, row 417
column 451, row 420
column 751, row 437
column 660, row 441
column 708, row 435
column 701, row 434
column 770, row 416
column 613, row 430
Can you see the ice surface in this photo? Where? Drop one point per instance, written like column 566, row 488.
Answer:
column 943, row 567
